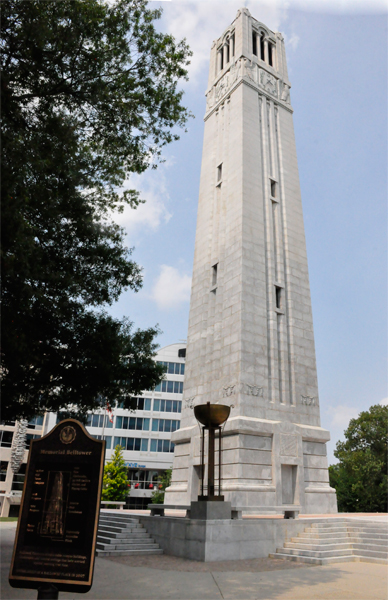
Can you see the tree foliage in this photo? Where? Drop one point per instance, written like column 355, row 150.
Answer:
column 115, row 481
column 89, row 95
column 164, row 481
column 360, row 477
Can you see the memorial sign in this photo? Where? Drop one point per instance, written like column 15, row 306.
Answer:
column 57, row 529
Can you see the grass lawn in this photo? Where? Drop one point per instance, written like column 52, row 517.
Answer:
column 2, row 519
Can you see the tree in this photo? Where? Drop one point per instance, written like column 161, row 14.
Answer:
column 89, row 96
column 115, row 481
column 360, row 477
column 163, row 482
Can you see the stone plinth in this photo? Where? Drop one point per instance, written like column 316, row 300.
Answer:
column 204, row 510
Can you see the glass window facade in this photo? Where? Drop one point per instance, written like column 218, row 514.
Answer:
column 6, row 438
column 171, row 387
column 94, row 420
column 173, row 368
column 36, row 423
column 168, row 425
column 168, row 405
column 138, row 403
column 128, row 443
column 138, row 423
column 108, row 440
column 161, row 446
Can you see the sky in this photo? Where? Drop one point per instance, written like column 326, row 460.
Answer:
column 337, row 65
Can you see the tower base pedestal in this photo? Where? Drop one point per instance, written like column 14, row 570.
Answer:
column 208, row 510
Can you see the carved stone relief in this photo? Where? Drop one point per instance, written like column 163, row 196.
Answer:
column 285, row 95
column 251, row 70
column 254, row 390
column 268, row 82
column 244, row 388
column 288, row 445
column 309, row 400
column 228, row 390
column 190, row 402
column 247, row 68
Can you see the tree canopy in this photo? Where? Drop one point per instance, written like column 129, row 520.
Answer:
column 361, row 475
column 89, row 96
column 115, row 484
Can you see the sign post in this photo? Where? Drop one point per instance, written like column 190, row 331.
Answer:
column 57, row 529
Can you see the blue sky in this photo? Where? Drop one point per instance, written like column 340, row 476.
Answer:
column 337, row 62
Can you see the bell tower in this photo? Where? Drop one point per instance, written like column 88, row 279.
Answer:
column 250, row 339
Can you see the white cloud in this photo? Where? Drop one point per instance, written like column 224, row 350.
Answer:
column 340, row 6
column 201, row 22
column 384, row 402
column 341, row 415
column 292, row 41
column 171, row 288
column 154, row 212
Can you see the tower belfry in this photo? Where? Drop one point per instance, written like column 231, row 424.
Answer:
column 250, row 339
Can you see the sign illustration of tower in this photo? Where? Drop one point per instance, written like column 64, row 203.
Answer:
column 250, row 339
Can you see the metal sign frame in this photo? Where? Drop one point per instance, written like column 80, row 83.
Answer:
column 57, row 528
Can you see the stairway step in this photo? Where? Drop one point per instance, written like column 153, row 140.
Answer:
column 118, row 528
column 323, row 541
column 118, row 515
column 325, row 536
column 118, row 519
column 127, row 546
column 316, row 553
column 369, row 530
column 115, row 534
column 370, row 552
column 370, row 545
column 324, row 548
column 108, row 540
column 371, row 559
column 337, row 524
column 128, row 552
column 312, row 560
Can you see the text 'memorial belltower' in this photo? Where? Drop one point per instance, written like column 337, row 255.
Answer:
column 250, row 339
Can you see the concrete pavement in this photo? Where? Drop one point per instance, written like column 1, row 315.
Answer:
column 167, row 577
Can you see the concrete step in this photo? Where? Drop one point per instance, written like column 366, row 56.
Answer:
column 317, row 540
column 334, row 530
column 119, row 517
column 315, row 553
column 108, row 540
column 369, row 530
column 371, row 559
column 336, row 524
column 123, row 535
column 379, row 539
column 325, row 536
column 312, row 560
column 325, row 547
column 122, row 524
column 381, row 544
column 368, row 544
column 119, row 532
column 117, row 523
column 115, row 534
column 324, row 543
column 127, row 546
column 123, row 527
column 128, row 552
column 373, row 552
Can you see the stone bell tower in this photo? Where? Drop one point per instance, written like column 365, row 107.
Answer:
column 250, row 340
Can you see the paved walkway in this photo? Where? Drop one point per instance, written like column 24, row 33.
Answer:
column 163, row 577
